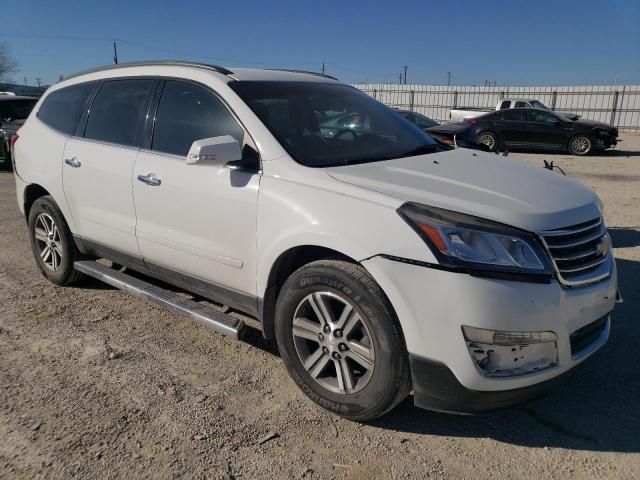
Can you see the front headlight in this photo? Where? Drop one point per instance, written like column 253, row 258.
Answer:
column 464, row 241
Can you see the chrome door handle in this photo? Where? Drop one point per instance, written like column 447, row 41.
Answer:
column 74, row 162
column 150, row 179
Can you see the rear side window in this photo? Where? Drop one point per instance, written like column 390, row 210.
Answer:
column 187, row 113
column 511, row 115
column 62, row 109
column 522, row 105
column 505, row 104
column 117, row 111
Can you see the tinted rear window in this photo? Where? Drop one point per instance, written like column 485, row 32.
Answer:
column 512, row 115
column 117, row 111
column 62, row 108
column 16, row 109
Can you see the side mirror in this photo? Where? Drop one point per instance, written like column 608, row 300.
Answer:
column 215, row 150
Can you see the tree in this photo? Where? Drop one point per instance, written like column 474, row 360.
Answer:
column 7, row 63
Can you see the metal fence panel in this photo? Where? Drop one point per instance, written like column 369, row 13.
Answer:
column 618, row 105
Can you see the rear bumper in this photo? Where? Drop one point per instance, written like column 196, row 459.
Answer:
column 435, row 387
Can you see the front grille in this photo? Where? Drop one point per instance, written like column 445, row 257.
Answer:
column 587, row 335
column 580, row 253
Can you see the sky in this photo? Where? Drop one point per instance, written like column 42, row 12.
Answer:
column 510, row 42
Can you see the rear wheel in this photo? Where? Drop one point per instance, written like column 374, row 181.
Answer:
column 341, row 341
column 580, row 145
column 489, row 139
column 52, row 243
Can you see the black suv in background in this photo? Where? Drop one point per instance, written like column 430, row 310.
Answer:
column 14, row 111
column 531, row 128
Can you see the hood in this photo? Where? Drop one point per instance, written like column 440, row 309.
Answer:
column 569, row 115
column 481, row 184
column 593, row 123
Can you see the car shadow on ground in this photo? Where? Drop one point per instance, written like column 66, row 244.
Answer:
column 625, row 237
column 597, row 408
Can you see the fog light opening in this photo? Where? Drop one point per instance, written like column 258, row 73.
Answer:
column 506, row 354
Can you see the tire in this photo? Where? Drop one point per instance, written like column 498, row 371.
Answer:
column 375, row 363
column 489, row 139
column 49, row 230
column 580, row 145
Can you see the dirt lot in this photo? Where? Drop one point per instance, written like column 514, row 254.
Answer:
column 97, row 384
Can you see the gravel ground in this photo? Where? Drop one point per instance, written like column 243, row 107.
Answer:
column 95, row 383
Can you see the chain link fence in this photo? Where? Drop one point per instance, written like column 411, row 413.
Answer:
column 617, row 105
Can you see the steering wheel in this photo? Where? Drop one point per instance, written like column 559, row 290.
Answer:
column 342, row 131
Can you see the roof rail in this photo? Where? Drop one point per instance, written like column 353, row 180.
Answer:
column 176, row 63
column 317, row 74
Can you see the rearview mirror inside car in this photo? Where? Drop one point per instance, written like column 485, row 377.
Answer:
column 215, row 150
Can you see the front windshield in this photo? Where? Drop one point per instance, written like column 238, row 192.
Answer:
column 323, row 124
column 540, row 105
column 16, row 109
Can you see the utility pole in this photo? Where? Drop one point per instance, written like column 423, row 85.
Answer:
column 323, row 68
column 38, row 81
column 115, row 53
column 400, row 78
column 449, row 78
column 405, row 74
column 25, row 81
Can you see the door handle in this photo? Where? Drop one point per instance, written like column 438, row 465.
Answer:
column 150, row 179
column 73, row 162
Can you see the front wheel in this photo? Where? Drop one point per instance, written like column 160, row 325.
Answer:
column 340, row 340
column 580, row 145
column 489, row 139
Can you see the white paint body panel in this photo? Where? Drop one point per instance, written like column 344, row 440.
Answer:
column 99, row 193
column 201, row 220
column 229, row 227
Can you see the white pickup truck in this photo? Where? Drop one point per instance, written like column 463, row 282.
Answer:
column 464, row 113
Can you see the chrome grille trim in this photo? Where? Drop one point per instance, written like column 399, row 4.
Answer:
column 577, row 254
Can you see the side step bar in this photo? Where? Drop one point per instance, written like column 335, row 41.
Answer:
column 206, row 315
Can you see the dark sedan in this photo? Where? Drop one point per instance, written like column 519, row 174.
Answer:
column 463, row 134
column 538, row 129
column 14, row 111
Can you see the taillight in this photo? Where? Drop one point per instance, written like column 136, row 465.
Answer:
column 13, row 139
column 472, row 121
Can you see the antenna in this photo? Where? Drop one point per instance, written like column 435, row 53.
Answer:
column 405, row 74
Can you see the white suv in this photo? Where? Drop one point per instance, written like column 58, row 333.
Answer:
column 381, row 261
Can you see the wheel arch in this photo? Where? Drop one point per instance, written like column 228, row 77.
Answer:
column 32, row 192
column 285, row 264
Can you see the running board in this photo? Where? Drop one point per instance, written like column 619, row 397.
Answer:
column 203, row 314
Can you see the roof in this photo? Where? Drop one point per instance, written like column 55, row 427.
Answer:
column 233, row 73
column 15, row 97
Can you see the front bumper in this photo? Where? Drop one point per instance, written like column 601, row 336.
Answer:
column 433, row 305
column 435, row 387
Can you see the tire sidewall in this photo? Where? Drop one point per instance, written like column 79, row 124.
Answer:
column 308, row 280
column 48, row 206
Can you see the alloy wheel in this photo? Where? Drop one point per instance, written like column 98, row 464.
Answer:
column 580, row 145
column 48, row 241
column 487, row 139
column 333, row 342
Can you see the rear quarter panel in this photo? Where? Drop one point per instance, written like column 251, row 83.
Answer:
column 38, row 160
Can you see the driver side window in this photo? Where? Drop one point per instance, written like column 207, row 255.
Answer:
column 538, row 116
column 187, row 113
